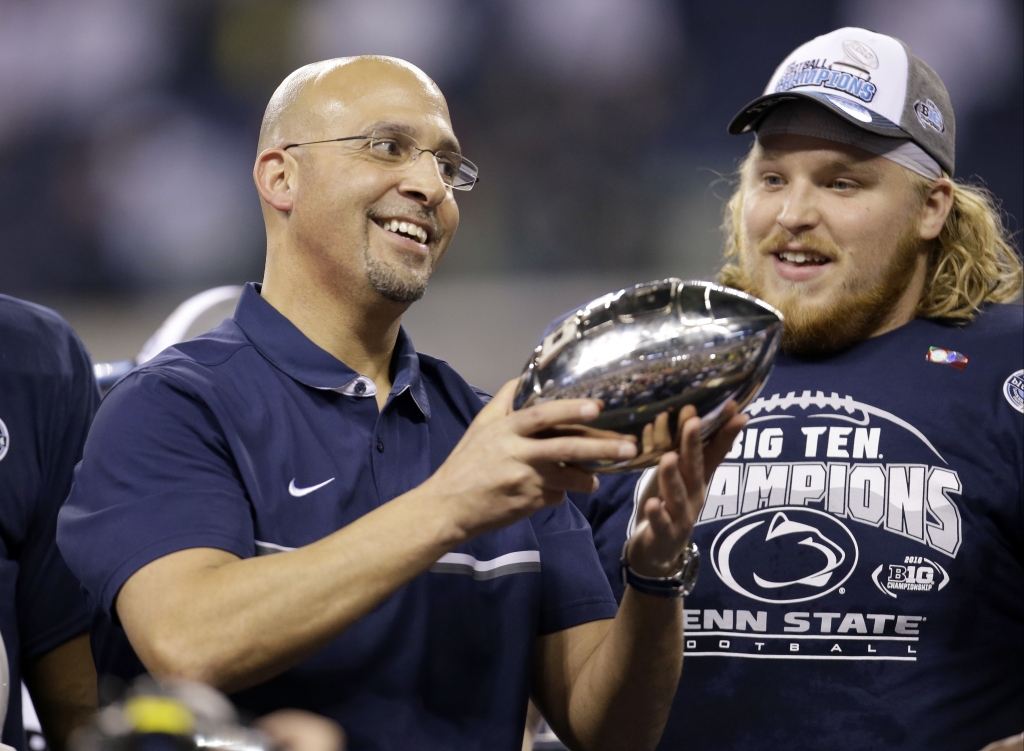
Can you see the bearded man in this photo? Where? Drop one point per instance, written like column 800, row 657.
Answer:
column 866, row 577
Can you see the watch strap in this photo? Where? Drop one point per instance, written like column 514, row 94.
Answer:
column 679, row 584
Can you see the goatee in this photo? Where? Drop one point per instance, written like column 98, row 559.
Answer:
column 401, row 285
column 397, row 281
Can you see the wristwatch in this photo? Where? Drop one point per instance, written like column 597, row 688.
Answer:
column 679, row 584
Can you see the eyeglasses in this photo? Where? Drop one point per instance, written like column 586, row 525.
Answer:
column 398, row 150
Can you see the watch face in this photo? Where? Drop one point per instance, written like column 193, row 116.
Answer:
column 691, row 567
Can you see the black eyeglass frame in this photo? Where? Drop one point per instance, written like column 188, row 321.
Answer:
column 462, row 160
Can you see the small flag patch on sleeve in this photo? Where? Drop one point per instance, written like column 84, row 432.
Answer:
column 947, row 357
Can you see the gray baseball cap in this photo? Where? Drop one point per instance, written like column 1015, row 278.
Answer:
column 872, row 81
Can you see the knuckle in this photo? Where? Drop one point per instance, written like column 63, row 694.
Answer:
column 522, row 475
column 529, row 421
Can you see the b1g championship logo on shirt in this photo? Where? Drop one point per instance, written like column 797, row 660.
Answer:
column 913, row 574
column 784, row 556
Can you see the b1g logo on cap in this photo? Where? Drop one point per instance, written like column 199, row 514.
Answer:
column 784, row 556
column 929, row 116
column 5, row 440
column 1013, row 390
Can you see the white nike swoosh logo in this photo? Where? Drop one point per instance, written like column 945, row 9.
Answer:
column 299, row 492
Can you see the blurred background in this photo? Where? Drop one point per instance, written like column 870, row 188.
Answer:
column 128, row 130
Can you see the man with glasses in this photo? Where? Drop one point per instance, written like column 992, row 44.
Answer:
column 303, row 511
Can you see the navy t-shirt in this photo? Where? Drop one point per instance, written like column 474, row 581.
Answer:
column 47, row 399
column 862, row 581
column 253, row 440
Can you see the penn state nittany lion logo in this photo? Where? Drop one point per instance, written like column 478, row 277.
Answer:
column 5, row 440
column 784, row 555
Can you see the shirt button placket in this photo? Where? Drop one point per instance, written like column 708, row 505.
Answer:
column 380, row 445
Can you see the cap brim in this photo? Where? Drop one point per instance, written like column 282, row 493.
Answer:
column 750, row 116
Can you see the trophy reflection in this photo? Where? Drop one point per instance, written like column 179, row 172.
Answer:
column 650, row 350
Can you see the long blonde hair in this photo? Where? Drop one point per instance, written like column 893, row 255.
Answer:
column 973, row 260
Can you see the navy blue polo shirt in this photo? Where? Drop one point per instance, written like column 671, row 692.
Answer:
column 47, row 398
column 253, row 440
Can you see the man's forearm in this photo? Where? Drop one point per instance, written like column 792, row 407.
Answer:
column 625, row 689
column 62, row 684
column 610, row 685
column 234, row 623
column 204, row 614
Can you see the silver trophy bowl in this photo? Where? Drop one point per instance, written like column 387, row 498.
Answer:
column 655, row 348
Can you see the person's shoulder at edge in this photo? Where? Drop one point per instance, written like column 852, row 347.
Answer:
column 1003, row 319
column 996, row 331
column 209, row 349
column 36, row 339
column 187, row 361
column 994, row 320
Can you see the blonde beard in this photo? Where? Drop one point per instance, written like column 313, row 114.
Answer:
column 846, row 319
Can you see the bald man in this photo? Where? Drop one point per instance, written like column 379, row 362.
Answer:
column 301, row 510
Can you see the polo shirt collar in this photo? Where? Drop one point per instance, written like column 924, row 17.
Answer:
column 288, row 349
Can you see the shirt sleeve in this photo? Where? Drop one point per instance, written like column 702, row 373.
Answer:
column 157, row 476
column 608, row 512
column 51, row 607
column 574, row 590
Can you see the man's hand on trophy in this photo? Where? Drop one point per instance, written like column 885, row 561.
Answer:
column 510, row 464
column 667, row 514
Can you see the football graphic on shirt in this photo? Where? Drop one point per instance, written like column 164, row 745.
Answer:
column 655, row 348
